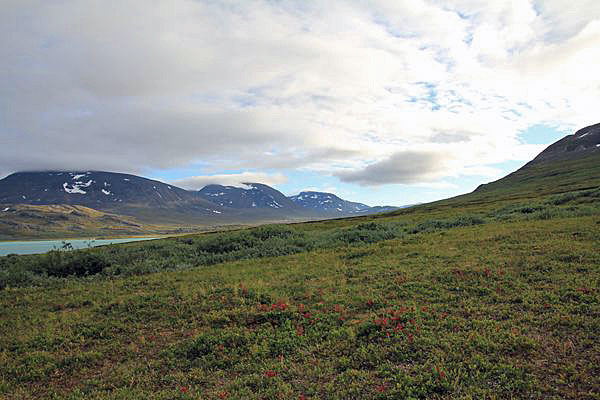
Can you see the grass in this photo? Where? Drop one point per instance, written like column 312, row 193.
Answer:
column 495, row 300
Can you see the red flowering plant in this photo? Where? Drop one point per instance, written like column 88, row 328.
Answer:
column 400, row 323
column 270, row 373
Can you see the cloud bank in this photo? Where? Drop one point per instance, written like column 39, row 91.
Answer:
column 373, row 92
column 402, row 167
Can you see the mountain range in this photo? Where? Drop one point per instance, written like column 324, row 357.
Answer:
column 157, row 202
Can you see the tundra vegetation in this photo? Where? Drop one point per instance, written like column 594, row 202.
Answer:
column 476, row 298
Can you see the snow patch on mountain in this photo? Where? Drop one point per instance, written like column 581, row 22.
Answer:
column 76, row 187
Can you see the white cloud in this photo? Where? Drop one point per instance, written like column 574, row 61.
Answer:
column 338, row 87
column 198, row 182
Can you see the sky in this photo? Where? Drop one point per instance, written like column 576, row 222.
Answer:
column 379, row 101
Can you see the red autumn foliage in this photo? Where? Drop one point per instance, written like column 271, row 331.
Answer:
column 380, row 388
column 280, row 305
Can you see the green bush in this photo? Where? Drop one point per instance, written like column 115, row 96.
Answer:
column 61, row 264
column 370, row 232
column 562, row 199
column 436, row 224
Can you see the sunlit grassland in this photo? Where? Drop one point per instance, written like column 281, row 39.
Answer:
column 503, row 305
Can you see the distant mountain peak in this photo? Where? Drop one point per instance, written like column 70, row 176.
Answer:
column 328, row 203
column 251, row 195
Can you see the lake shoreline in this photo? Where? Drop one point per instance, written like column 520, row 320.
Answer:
column 84, row 238
column 44, row 246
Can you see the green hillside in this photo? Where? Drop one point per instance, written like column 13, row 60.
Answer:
column 488, row 295
column 540, row 179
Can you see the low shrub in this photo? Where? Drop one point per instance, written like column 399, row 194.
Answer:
column 370, row 232
column 63, row 264
column 437, row 224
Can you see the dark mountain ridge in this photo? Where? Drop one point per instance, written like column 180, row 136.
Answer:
column 91, row 188
column 584, row 142
column 154, row 201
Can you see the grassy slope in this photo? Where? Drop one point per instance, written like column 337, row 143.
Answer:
column 537, row 180
column 70, row 221
column 30, row 221
column 507, row 308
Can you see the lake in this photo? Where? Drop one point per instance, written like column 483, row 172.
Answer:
column 43, row 246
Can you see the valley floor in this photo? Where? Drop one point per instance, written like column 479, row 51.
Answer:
column 505, row 309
